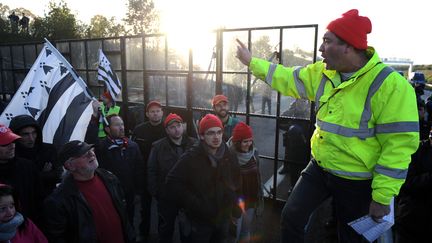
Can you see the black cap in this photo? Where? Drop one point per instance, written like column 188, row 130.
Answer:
column 72, row 149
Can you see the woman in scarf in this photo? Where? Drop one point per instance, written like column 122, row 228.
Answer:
column 250, row 201
column 14, row 227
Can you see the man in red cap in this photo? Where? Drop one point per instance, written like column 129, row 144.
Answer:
column 204, row 183
column 220, row 108
column 365, row 112
column 164, row 154
column 20, row 173
column 144, row 135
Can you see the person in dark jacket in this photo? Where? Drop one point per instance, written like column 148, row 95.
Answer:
column 89, row 205
column 296, row 152
column 164, row 154
column 32, row 147
column 121, row 156
column 144, row 135
column 241, row 144
column 205, row 182
column 21, row 174
column 414, row 212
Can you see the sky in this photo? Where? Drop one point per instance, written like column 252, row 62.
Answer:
column 400, row 29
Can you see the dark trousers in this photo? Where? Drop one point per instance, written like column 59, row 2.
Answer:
column 202, row 233
column 351, row 197
column 130, row 206
column 266, row 100
column 146, row 200
column 167, row 213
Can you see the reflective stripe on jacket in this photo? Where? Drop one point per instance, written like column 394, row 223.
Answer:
column 367, row 126
column 112, row 110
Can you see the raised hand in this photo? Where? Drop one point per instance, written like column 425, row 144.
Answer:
column 243, row 53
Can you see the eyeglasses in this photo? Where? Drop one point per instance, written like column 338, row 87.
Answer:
column 214, row 133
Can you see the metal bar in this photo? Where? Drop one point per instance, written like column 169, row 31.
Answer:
column 87, row 66
column 143, row 44
column 276, row 151
column 166, row 68
column 13, row 69
column 24, row 58
column 249, row 77
column 125, row 100
column 219, row 63
column 189, row 82
column 2, row 78
column 145, row 77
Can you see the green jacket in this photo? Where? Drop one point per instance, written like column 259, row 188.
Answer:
column 366, row 127
column 112, row 110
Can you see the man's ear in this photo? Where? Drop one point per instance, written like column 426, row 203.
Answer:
column 107, row 130
column 68, row 165
column 147, row 114
column 201, row 137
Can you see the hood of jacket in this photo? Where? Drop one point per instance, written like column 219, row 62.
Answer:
column 19, row 122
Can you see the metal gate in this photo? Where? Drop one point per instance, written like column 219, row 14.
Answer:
column 185, row 79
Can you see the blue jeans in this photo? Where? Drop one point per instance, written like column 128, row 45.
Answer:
column 351, row 197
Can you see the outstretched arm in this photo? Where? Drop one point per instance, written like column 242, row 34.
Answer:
column 243, row 53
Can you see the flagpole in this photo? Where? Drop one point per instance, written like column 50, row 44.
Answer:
column 83, row 85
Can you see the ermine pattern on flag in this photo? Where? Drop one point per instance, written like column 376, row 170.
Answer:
column 54, row 94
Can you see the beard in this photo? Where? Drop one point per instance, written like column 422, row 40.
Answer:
column 222, row 113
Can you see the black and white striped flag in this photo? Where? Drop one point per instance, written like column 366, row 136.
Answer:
column 54, row 94
column 107, row 75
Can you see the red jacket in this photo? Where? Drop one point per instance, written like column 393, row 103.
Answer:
column 29, row 234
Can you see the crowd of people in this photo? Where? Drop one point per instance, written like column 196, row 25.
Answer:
column 366, row 133
column 90, row 191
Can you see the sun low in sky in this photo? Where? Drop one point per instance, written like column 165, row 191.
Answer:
column 399, row 28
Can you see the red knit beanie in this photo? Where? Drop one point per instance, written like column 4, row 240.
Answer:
column 209, row 121
column 172, row 117
column 241, row 131
column 352, row 28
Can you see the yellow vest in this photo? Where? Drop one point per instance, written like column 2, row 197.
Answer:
column 113, row 110
column 366, row 127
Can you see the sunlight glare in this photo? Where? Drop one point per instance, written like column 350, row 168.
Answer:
column 189, row 25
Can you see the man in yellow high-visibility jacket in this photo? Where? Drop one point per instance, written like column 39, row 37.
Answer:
column 366, row 128
column 107, row 107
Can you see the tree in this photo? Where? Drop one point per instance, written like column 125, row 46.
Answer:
column 5, row 25
column 59, row 23
column 4, row 22
column 100, row 26
column 142, row 16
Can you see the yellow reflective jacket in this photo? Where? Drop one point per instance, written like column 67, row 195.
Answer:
column 366, row 128
column 112, row 110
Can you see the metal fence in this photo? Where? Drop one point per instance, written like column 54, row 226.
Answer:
column 185, row 78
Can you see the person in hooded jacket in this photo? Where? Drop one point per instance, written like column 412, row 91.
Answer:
column 31, row 146
column 241, row 144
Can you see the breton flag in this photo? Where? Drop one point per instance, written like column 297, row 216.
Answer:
column 107, row 75
column 54, row 94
